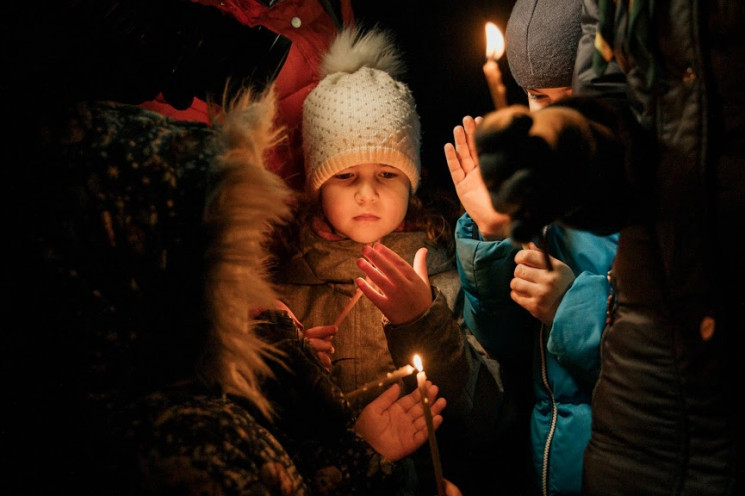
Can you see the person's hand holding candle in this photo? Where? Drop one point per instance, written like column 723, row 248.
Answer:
column 320, row 338
column 421, row 380
column 396, row 427
column 494, row 51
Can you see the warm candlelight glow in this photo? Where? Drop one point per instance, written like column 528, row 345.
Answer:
column 418, row 363
column 494, row 50
column 494, row 41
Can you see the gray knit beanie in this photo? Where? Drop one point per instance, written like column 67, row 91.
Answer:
column 359, row 113
column 541, row 42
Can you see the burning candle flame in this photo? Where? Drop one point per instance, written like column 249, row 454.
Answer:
column 494, row 41
column 418, row 363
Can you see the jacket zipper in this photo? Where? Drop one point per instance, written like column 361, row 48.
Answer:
column 554, row 413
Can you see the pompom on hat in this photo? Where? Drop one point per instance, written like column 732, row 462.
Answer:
column 541, row 42
column 359, row 113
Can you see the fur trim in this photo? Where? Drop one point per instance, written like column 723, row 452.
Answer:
column 246, row 204
column 352, row 49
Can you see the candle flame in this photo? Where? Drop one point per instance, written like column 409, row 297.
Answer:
column 494, row 41
column 418, row 363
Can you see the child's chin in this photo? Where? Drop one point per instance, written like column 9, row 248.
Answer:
column 364, row 239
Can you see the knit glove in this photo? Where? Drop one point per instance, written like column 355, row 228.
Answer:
column 543, row 166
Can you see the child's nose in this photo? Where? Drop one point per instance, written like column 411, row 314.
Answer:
column 366, row 192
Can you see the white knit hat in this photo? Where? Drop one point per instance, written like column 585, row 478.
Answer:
column 358, row 113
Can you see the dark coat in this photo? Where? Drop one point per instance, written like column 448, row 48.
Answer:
column 653, row 148
column 664, row 421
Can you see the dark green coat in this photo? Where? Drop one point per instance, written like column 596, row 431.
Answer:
column 664, row 416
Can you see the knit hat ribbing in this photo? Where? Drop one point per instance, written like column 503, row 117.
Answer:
column 359, row 113
column 541, row 42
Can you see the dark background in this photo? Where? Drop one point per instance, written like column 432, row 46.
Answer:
column 443, row 43
column 54, row 51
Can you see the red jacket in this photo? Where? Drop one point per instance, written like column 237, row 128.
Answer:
column 310, row 40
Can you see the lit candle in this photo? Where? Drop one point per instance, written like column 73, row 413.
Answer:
column 421, row 380
column 494, row 50
column 374, row 388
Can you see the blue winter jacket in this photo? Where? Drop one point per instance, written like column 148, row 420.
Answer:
column 566, row 364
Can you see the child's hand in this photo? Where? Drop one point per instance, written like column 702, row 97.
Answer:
column 320, row 338
column 403, row 293
column 395, row 427
column 464, row 169
column 537, row 289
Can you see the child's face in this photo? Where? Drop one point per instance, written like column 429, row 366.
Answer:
column 366, row 202
column 540, row 97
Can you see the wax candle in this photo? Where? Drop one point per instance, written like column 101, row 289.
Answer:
column 348, row 308
column 359, row 396
column 352, row 302
column 421, row 380
column 494, row 50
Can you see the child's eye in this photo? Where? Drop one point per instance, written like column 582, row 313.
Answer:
column 388, row 174
column 343, row 175
column 536, row 97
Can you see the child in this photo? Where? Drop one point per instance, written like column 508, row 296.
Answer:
column 255, row 370
column 567, row 299
column 361, row 137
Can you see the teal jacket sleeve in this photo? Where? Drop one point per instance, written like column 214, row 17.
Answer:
column 486, row 269
column 574, row 339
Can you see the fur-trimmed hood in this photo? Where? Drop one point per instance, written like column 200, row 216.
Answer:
column 247, row 202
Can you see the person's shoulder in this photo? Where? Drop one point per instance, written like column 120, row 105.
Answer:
column 198, row 421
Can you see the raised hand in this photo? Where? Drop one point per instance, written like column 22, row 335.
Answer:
column 402, row 293
column 395, row 427
column 462, row 160
column 536, row 288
